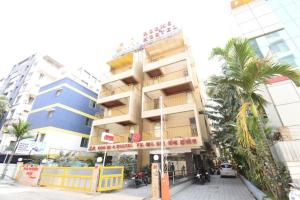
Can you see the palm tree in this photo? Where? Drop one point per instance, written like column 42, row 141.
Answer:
column 4, row 106
column 246, row 72
column 20, row 132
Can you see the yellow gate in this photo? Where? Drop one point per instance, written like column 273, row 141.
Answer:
column 74, row 178
column 111, row 178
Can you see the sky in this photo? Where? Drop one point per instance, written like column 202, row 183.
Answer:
column 86, row 33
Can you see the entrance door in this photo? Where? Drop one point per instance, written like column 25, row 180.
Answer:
column 193, row 126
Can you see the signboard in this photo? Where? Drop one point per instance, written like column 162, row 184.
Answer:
column 136, row 137
column 29, row 174
column 152, row 144
column 30, row 146
column 156, row 33
column 159, row 32
column 107, row 137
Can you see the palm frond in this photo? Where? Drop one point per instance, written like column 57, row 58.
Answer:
column 243, row 136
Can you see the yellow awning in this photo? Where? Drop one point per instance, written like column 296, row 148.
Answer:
column 121, row 61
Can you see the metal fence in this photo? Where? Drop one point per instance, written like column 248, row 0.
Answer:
column 111, row 178
column 75, row 178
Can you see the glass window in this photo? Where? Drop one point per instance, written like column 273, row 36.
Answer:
column 92, row 104
column 279, row 46
column 88, row 122
column 157, row 129
column 41, row 76
column 84, row 142
column 18, row 99
column 50, row 114
column 288, row 60
column 42, row 137
column 58, row 92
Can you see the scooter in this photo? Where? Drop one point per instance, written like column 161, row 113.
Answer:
column 207, row 176
column 199, row 178
column 294, row 192
column 140, row 178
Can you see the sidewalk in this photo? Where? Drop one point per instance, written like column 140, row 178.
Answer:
column 18, row 192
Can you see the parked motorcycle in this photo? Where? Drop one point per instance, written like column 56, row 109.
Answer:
column 140, row 178
column 199, row 177
column 294, row 192
column 207, row 176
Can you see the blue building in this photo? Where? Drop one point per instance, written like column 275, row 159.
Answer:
column 62, row 115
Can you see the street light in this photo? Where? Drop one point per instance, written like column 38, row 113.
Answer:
column 99, row 160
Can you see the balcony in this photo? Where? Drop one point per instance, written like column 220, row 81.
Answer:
column 170, row 133
column 170, row 82
column 115, row 96
column 119, row 115
column 165, row 48
column 153, row 66
column 122, row 68
column 171, row 104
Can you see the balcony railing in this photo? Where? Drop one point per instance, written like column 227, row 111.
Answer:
column 118, row 90
column 171, row 132
column 115, row 112
column 185, row 98
column 167, row 77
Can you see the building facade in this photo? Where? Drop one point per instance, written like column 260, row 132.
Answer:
column 61, row 117
column 24, row 82
column 131, row 99
column 273, row 28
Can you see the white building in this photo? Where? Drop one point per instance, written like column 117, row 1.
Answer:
column 273, row 28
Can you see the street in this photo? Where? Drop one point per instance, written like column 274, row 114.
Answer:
column 217, row 189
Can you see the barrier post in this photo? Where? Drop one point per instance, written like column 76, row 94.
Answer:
column 95, row 178
column 165, row 190
column 155, row 181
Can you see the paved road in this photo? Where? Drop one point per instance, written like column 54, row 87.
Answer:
column 217, row 189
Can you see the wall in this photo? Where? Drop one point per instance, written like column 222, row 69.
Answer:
column 11, row 170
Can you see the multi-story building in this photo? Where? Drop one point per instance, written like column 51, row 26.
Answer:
column 163, row 67
column 23, row 84
column 61, row 117
column 273, row 29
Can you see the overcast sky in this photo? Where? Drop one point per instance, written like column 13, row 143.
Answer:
column 86, row 33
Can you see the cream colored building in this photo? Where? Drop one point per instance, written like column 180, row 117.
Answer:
column 131, row 95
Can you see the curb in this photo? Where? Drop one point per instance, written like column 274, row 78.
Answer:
column 257, row 193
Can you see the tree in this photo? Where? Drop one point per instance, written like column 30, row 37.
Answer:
column 4, row 105
column 20, row 132
column 246, row 73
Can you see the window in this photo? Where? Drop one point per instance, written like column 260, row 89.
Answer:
column 157, row 129
column 288, row 60
column 88, row 122
column 84, row 142
column 279, row 46
column 41, row 76
column 30, row 100
column 58, row 92
column 12, row 145
column 92, row 104
column 18, row 99
column 50, row 113
column 42, row 137
column 156, row 103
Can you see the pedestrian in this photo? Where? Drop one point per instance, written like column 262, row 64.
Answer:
column 172, row 169
column 183, row 170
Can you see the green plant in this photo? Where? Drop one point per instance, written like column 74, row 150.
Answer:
column 245, row 73
column 20, row 132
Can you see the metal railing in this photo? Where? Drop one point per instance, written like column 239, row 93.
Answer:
column 184, row 98
column 167, row 77
column 118, row 90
